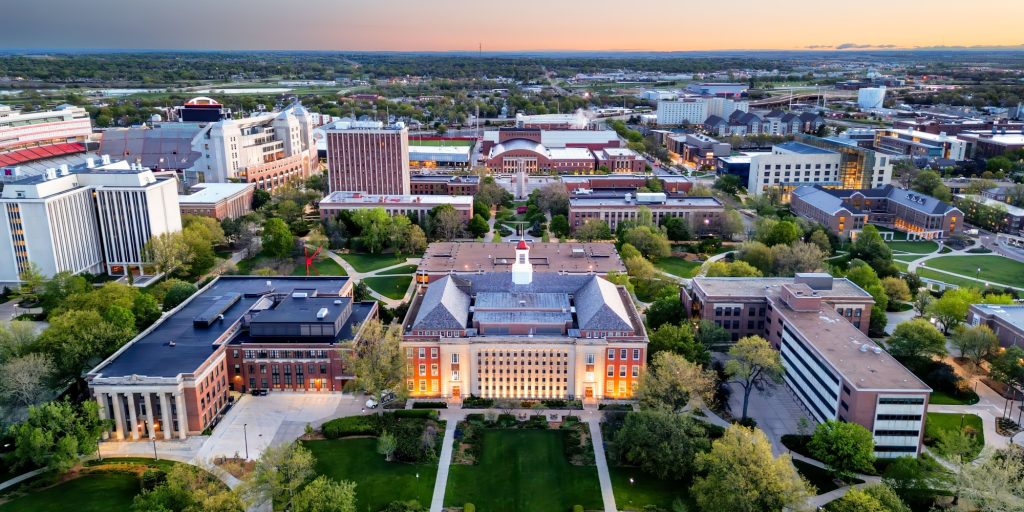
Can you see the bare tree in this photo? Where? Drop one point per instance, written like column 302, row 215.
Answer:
column 24, row 379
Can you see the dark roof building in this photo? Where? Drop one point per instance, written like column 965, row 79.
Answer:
column 887, row 206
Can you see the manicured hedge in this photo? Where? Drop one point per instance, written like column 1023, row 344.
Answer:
column 350, row 426
column 416, row 413
column 429, row 405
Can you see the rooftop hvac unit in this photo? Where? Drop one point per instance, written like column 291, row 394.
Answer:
column 863, row 347
column 320, row 315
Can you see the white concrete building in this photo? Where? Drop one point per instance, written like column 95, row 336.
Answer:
column 683, row 110
column 871, row 97
column 724, row 107
column 93, row 219
column 268, row 150
column 64, row 124
column 792, row 164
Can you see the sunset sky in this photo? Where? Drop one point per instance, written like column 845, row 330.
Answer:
column 659, row 25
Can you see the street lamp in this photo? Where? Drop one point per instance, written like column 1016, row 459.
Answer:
column 417, row 486
column 978, row 273
column 245, row 436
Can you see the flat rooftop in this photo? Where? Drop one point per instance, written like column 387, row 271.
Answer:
column 343, row 197
column 707, row 202
column 212, row 193
column 987, row 201
column 445, row 257
column 839, row 342
column 803, row 149
column 758, row 287
column 150, row 353
column 1013, row 315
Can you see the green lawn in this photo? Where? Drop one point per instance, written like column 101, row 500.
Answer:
column 392, row 287
column 994, row 268
column 906, row 257
column 377, row 482
column 917, row 247
column 678, row 266
column 943, row 398
column 938, row 421
column 645, row 490
column 524, row 471
column 903, row 266
column 404, row 269
column 91, row 493
column 370, row 262
column 946, row 278
column 325, row 267
column 248, row 265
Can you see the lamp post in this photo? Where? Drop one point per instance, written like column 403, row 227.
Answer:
column 417, row 486
column 977, row 275
column 245, row 436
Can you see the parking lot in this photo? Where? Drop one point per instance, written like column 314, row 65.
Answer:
column 274, row 419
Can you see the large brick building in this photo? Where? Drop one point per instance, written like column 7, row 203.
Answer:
column 444, row 185
column 703, row 213
column 367, row 156
column 236, row 334
column 452, row 258
column 415, row 206
column 834, row 369
column 887, row 206
column 562, row 151
column 1006, row 321
column 218, row 200
column 523, row 334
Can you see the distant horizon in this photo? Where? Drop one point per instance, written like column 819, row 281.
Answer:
column 31, row 50
column 528, row 26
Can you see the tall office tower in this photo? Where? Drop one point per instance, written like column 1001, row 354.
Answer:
column 368, row 156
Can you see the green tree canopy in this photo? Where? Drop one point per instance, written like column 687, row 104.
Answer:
column 661, row 443
column 846, row 448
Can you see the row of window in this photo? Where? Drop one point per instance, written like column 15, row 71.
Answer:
column 282, row 354
column 623, row 353
column 622, row 370
column 796, row 166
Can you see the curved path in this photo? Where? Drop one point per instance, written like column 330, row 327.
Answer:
column 359, row 276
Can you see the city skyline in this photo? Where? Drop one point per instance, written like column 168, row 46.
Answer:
column 532, row 25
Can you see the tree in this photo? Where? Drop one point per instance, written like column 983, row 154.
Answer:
column 738, row 268
column 753, row 363
column 188, row 488
column 316, row 239
column 664, row 310
column 757, row 255
column 676, row 229
column 660, row 443
column 820, row 238
column 994, row 485
column 552, row 198
column 796, row 257
column 976, row 343
column 896, row 289
column 592, row 230
column 207, row 227
column 415, row 241
column 926, row 182
column 671, row 383
column 260, row 197
column 951, row 309
column 278, row 475
column 916, row 339
column 76, row 339
column 446, row 223
column 169, row 253
column 649, row 241
column 56, row 434
column 742, row 462
column 386, row 445
column 376, row 227
column 177, row 293
column 873, row 498
column 711, row 334
column 731, row 224
column 478, row 226
column 482, row 209
column 17, row 337
column 871, row 249
column 844, row 447
column 914, row 478
column 922, row 300
column 678, row 339
column 1006, row 368
column 773, row 232
column 278, row 241
column 560, row 226
column 32, row 281
column 376, row 358
column 25, row 379
column 61, row 285
column 326, row 495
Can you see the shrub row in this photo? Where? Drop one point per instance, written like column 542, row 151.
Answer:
column 429, row 405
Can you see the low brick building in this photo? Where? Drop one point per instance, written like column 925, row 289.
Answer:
column 218, row 200
column 703, row 213
column 443, row 185
column 1006, row 321
column 416, row 206
column 888, row 206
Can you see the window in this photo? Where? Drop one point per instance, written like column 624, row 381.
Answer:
column 636, row 370
column 455, row 359
column 423, row 352
column 636, row 354
column 433, row 353
column 423, row 385
column 622, row 371
column 623, row 354
column 433, row 370
column 423, row 370
column 590, row 358
column 611, row 370
column 611, row 354
column 455, row 375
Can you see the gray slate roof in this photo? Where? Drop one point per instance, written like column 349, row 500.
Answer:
column 444, row 306
column 599, row 307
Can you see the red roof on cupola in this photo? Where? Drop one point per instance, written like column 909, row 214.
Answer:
column 522, row 245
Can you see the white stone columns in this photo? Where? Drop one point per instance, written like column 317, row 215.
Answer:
column 134, row 424
column 165, row 415
column 101, row 400
column 118, row 407
column 150, row 414
column 179, row 400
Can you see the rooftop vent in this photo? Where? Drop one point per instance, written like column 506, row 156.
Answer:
column 863, row 347
column 337, row 302
column 170, row 343
column 300, row 295
column 877, row 350
column 320, row 315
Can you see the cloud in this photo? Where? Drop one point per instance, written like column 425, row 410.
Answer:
column 856, row 46
column 819, row 47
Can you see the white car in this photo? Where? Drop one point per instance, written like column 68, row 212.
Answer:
column 371, row 404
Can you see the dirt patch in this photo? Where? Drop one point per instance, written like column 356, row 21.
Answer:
column 235, row 466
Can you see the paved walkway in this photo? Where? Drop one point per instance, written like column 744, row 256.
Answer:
column 444, row 462
column 356, row 275
column 605, row 479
